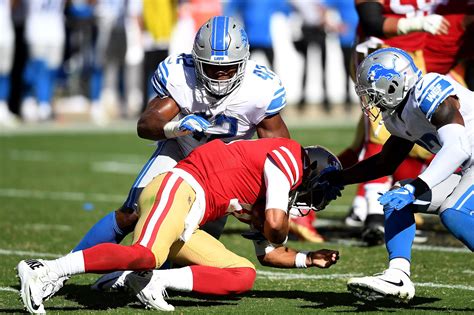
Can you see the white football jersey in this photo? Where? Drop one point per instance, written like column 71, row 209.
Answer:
column 235, row 116
column 46, row 7
column 414, row 122
column 5, row 10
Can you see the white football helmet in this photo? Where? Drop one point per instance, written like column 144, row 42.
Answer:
column 221, row 41
column 309, row 196
column 383, row 80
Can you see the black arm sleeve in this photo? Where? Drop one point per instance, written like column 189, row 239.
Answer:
column 371, row 18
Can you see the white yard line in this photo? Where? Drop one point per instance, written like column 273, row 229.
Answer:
column 8, row 289
column 12, row 252
column 116, row 167
column 56, row 195
column 298, row 276
column 73, row 157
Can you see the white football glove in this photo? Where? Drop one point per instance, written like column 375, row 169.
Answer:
column 434, row 24
column 187, row 125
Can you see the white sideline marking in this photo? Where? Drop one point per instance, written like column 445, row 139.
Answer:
column 27, row 253
column 445, row 286
column 275, row 275
column 55, row 195
column 47, row 227
column 76, row 157
column 298, row 276
column 471, row 272
column 441, row 249
column 116, row 167
column 8, row 289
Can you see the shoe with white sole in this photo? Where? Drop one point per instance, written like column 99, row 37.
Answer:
column 37, row 284
column 111, row 281
column 149, row 289
column 392, row 284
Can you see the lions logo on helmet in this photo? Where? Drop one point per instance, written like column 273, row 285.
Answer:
column 383, row 80
column 221, row 41
column 310, row 195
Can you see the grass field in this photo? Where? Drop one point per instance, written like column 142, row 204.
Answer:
column 54, row 186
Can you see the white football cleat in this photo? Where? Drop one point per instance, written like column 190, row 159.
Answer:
column 391, row 284
column 37, row 284
column 111, row 281
column 149, row 289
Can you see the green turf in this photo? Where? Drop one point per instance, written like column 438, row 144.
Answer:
column 51, row 192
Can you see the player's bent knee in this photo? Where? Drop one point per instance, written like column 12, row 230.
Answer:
column 142, row 258
column 461, row 224
column 245, row 279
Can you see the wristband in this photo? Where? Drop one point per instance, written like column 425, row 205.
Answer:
column 171, row 129
column 300, row 259
column 281, row 244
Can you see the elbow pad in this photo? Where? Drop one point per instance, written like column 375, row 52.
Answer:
column 371, row 18
column 456, row 150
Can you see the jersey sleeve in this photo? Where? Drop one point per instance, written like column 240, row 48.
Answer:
column 431, row 91
column 289, row 162
column 159, row 81
column 278, row 101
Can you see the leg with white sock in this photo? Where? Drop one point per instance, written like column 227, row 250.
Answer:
column 373, row 232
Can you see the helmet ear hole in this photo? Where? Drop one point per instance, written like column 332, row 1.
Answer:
column 391, row 89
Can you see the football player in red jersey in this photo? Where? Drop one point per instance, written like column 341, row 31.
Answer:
column 447, row 53
column 215, row 180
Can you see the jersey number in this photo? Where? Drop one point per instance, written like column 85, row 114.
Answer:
column 263, row 72
column 220, row 120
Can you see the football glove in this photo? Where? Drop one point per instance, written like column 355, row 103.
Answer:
column 398, row 198
column 189, row 124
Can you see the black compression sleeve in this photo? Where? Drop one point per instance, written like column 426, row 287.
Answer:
column 420, row 187
column 371, row 18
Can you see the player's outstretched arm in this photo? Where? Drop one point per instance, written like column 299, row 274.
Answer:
column 158, row 113
column 285, row 257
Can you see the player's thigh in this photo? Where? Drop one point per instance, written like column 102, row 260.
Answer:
column 7, row 47
column 203, row 249
column 167, row 154
column 462, row 197
column 163, row 207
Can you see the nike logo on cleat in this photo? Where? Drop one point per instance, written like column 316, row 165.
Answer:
column 398, row 284
column 33, row 304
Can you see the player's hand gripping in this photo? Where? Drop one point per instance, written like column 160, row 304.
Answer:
column 434, row 24
column 323, row 258
column 187, row 125
column 398, row 198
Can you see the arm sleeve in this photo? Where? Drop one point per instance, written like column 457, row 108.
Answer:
column 454, row 151
column 278, row 186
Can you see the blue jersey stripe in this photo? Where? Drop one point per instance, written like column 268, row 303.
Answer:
column 279, row 91
column 466, row 198
column 438, row 101
column 426, row 89
column 163, row 73
column 277, row 104
column 432, row 96
column 158, row 87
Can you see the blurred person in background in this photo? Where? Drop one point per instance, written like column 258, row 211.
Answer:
column 312, row 14
column 7, row 48
column 450, row 53
column 386, row 23
column 45, row 36
column 109, row 75
column 256, row 17
column 347, row 34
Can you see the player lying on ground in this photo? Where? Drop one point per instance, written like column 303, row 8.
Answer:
column 437, row 113
column 215, row 180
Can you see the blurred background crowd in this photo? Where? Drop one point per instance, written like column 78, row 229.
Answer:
column 92, row 59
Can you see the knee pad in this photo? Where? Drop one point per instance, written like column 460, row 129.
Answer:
column 461, row 224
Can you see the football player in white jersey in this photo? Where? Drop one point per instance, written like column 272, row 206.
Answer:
column 7, row 48
column 45, row 36
column 437, row 113
column 214, row 93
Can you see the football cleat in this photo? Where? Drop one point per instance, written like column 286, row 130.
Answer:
column 149, row 289
column 37, row 284
column 111, row 281
column 353, row 220
column 392, row 284
column 373, row 232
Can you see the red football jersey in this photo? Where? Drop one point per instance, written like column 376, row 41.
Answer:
column 232, row 174
column 405, row 9
column 442, row 52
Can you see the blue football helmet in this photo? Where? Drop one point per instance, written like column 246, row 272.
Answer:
column 383, row 80
column 221, row 41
